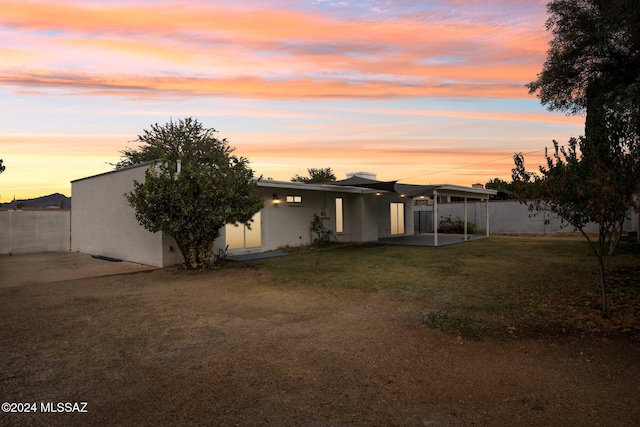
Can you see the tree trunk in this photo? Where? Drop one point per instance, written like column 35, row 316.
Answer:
column 186, row 250
column 616, row 233
column 602, row 285
column 600, row 254
column 595, row 121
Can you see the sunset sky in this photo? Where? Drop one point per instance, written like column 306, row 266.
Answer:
column 419, row 91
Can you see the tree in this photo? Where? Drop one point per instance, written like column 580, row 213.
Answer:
column 505, row 189
column 2, row 167
column 212, row 188
column 582, row 190
column 593, row 62
column 316, row 176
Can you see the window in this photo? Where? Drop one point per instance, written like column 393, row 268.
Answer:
column 339, row 216
column 397, row 218
column 294, row 199
column 240, row 237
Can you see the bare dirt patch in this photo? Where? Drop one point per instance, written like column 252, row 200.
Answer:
column 233, row 347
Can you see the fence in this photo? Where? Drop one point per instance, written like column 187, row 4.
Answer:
column 423, row 221
column 504, row 217
column 35, row 231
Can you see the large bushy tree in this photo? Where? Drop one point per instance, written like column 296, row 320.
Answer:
column 212, row 188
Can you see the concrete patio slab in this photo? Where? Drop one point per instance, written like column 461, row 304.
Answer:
column 427, row 239
column 257, row 256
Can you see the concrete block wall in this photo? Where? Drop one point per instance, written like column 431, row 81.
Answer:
column 512, row 217
column 35, row 231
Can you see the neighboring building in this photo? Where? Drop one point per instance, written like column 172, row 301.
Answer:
column 356, row 210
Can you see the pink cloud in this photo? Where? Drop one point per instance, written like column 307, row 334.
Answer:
column 265, row 53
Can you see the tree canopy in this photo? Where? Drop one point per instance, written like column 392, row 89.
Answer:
column 2, row 167
column 187, row 140
column 593, row 61
column 505, row 189
column 193, row 201
column 316, row 175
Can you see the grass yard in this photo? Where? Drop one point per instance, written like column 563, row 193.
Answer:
column 500, row 286
column 343, row 337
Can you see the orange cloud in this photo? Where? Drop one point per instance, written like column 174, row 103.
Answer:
column 257, row 87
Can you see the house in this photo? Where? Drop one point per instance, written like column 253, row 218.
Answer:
column 357, row 209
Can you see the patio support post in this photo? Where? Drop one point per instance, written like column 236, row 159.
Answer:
column 465, row 218
column 435, row 218
column 487, row 207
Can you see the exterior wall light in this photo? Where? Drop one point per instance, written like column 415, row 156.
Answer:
column 276, row 199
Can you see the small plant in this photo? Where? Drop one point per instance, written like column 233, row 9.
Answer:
column 221, row 255
column 454, row 225
column 322, row 234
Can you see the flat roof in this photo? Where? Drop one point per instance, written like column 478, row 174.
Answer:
column 356, row 185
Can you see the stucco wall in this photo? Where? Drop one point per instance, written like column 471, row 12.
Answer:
column 360, row 218
column 103, row 223
column 287, row 224
column 34, row 231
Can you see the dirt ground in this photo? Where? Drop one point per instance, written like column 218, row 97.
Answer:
column 232, row 347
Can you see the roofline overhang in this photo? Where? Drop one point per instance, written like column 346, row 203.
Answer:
column 270, row 183
column 441, row 190
column 422, row 191
column 460, row 191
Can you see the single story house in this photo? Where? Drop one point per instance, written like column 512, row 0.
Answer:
column 358, row 209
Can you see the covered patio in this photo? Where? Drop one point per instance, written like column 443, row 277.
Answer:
column 433, row 193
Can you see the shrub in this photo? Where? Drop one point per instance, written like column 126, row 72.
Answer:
column 454, row 225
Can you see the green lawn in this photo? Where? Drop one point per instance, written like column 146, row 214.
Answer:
column 491, row 287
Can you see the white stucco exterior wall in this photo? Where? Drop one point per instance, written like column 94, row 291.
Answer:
column 103, row 223
column 287, row 224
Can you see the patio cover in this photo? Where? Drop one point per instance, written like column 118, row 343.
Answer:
column 356, row 181
column 412, row 190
